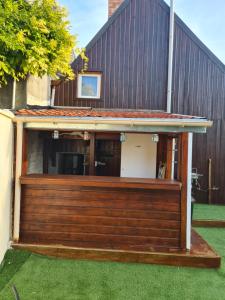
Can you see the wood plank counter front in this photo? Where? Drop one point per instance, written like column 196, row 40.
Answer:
column 101, row 212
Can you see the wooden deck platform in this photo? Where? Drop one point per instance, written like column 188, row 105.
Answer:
column 201, row 254
column 209, row 223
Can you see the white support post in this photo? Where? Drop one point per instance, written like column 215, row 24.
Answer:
column 52, row 101
column 189, row 197
column 19, row 151
column 173, row 158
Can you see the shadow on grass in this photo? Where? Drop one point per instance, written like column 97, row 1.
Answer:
column 11, row 264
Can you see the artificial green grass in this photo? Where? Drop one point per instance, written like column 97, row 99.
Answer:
column 208, row 212
column 12, row 262
column 43, row 278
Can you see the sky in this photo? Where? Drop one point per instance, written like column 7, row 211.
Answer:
column 206, row 18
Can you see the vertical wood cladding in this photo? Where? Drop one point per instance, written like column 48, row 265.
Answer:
column 211, row 145
column 104, row 217
column 199, row 89
column 132, row 53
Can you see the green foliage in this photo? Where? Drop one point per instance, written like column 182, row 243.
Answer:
column 35, row 39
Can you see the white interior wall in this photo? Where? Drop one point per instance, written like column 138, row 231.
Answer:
column 6, row 180
column 138, row 156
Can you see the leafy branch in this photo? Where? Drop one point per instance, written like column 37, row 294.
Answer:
column 35, row 39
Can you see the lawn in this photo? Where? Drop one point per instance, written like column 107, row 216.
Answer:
column 42, row 278
column 208, row 212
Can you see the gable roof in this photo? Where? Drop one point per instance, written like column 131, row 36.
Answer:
column 178, row 22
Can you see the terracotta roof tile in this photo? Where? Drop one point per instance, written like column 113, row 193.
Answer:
column 51, row 112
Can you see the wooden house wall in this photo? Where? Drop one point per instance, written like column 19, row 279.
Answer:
column 199, row 89
column 132, row 59
column 132, row 52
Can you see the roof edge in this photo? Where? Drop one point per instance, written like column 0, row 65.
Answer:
column 130, row 121
column 103, row 29
column 194, row 37
column 178, row 20
column 108, row 23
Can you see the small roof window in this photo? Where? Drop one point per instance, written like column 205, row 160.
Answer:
column 89, row 85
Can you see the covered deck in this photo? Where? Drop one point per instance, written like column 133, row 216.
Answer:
column 114, row 186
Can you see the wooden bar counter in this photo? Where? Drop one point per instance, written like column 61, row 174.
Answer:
column 101, row 212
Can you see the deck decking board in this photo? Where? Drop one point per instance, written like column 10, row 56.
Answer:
column 200, row 256
column 209, row 223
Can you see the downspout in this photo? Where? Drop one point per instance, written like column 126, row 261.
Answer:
column 52, row 101
column 53, row 85
column 14, row 95
column 170, row 57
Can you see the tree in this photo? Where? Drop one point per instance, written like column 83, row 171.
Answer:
column 35, row 40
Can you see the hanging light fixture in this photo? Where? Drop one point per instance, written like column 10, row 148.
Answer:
column 86, row 136
column 123, row 137
column 155, row 138
column 55, row 135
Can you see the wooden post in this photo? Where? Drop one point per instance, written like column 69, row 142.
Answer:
column 92, row 155
column 19, row 155
column 24, row 153
column 183, row 173
column 210, row 181
column 169, row 158
column 179, row 159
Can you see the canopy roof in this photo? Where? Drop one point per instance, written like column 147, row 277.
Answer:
column 100, row 113
column 112, row 120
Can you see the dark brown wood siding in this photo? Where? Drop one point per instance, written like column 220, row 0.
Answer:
column 199, row 89
column 132, row 52
column 132, row 56
column 92, row 214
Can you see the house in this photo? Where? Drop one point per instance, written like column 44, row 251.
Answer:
column 108, row 176
column 131, row 53
column 102, row 184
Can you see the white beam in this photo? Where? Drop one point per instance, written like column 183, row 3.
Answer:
column 173, row 158
column 111, row 127
column 19, row 150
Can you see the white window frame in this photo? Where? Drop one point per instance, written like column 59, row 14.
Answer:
column 79, row 85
